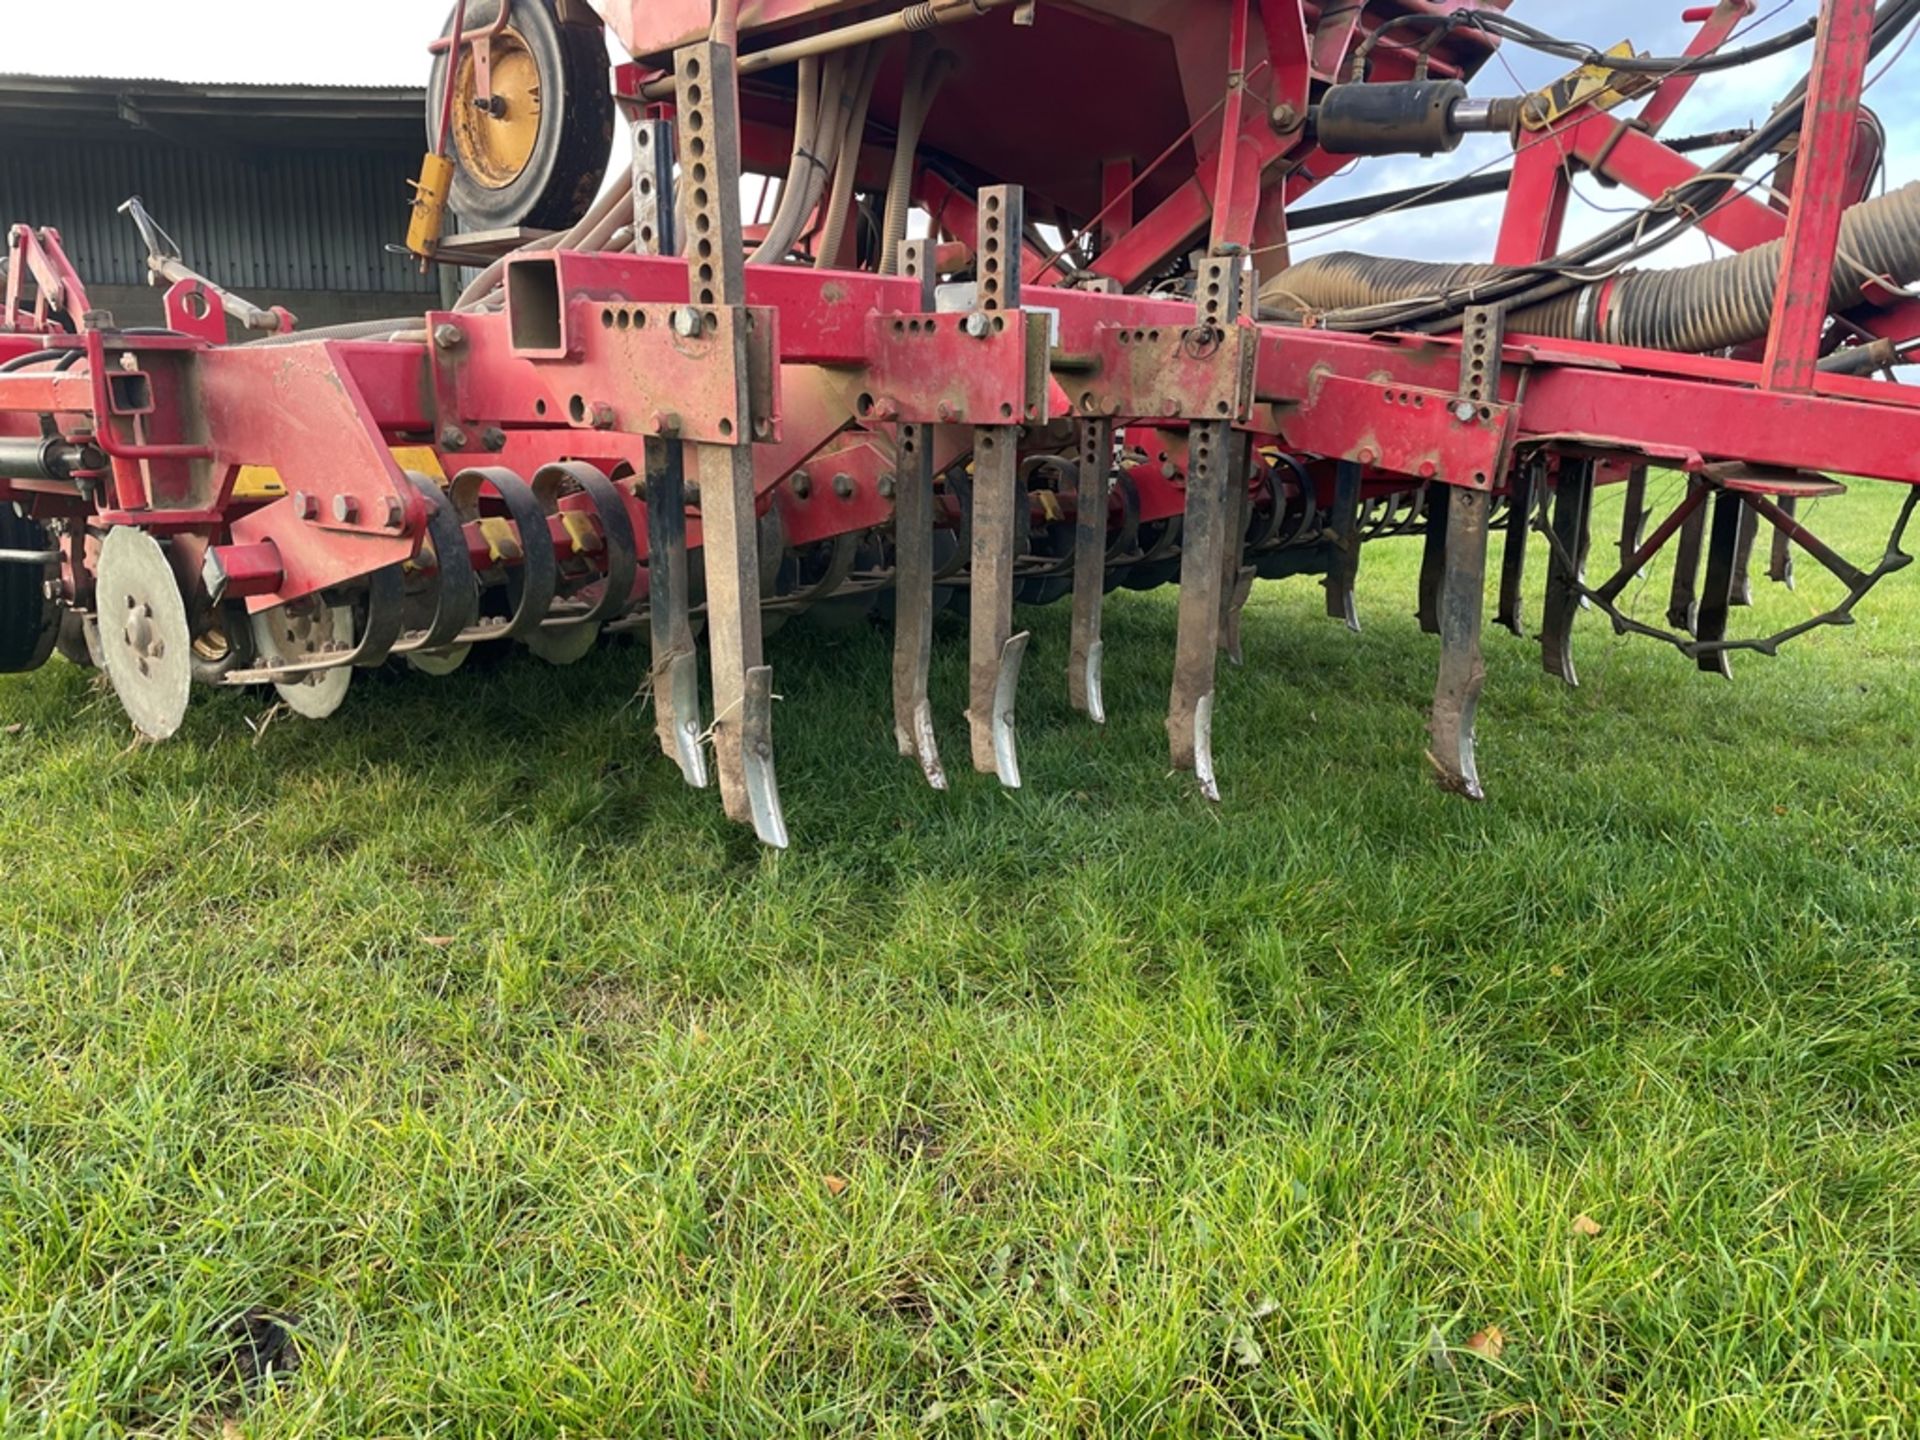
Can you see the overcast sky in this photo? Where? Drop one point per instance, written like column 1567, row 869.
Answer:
column 382, row 42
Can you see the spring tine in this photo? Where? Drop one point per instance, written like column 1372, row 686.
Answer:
column 1683, row 605
column 1717, row 597
column 1513, row 557
column 999, row 513
column 1780, row 559
column 1433, row 556
column 1095, row 464
column 1343, row 534
column 1572, row 505
column 1461, row 602
column 456, row 595
column 913, row 567
column 708, row 100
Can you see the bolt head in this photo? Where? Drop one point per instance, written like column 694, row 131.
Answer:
column 449, row 337
column 395, row 511
column 305, row 505
column 1463, row 412
column 886, row 487
column 686, row 322
column 665, row 422
column 452, row 437
column 493, row 438
column 944, row 411
column 601, row 415
column 802, row 485
column 978, row 324
column 345, row 509
column 843, row 486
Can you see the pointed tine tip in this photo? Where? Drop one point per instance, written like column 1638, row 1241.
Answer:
column 1006, row 691
column 756, row 746
column 920, row 745
column 1096, row 699
column 1203, row 748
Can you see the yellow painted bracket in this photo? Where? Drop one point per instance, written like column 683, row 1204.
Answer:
column 430, row 193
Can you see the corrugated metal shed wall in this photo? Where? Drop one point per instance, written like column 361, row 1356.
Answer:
column 294, row 220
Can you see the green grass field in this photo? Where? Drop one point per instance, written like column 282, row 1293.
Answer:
column 542, row 1103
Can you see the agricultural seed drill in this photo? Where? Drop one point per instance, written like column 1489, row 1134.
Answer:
column 982, row 303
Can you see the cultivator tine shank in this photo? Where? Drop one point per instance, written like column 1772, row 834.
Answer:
column 1206, row 538
column 1433, row 556
column 1780, row 554
column 913, row 565
column 1094, row 465
column 1343, row 534
column 675, row 670
column 999, row 516
column 1461, row 602
column 1572, row 511
column 1683, row 602
column 1202, row 579
column 1513, row 559
column 1236, row 581
column 1742, row 593
column 1723, row 562
column 708, row 103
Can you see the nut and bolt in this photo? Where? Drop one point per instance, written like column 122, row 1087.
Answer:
column 886, row 487
column 802, row 485
column 305, row 505
column 1284, row 119
column 396, row 512
column 452, row 437
column 600, row 415
column 346, row 509
column 449, row 337
column 686, row 322
column 665, row 422
column 944, row 411
column 843, row 486
column 978, row 324
column 1463, row 412
column 493, row 438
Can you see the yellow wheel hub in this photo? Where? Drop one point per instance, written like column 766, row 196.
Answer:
column 495, row 144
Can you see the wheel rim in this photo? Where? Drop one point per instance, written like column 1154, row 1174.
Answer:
column 494, row 149
column 143, row 631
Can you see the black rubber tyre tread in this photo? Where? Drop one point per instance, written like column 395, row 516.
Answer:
column 29, row 621
column 569, row 160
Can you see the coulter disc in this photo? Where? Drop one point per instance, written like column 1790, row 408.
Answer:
column 144, row 639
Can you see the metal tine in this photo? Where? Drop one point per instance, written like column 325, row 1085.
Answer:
column 1521, row 487
column 1683, row 604
column 1717, row 597
column 1780, row 558
column 1742, row 593
column 1211, row 474
column 1461, row 601
column 708, row 102
column 675, row 670
column 1343, row 530
column 1237, row 579
column 913, row 565
column 1572, row 509
column 999, row 509
column 1433, row 556
column 1095, row 465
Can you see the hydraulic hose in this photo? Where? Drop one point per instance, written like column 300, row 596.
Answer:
column 926, row 72
column 1695, row 308
column 840, row 200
